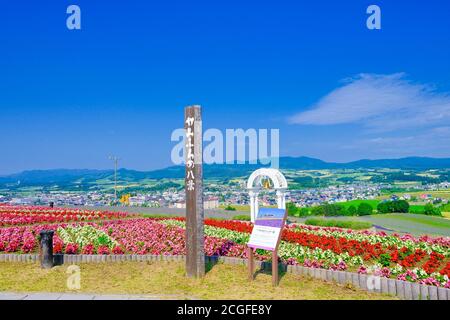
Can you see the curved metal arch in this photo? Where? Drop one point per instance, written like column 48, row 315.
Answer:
column 278, row 179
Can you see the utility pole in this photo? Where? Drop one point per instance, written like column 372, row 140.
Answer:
column 116, row 161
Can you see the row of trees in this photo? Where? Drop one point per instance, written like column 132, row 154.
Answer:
column 363, row 209
column 431, row 210
column 399, row 206
column 331, row 210
column 402, row 206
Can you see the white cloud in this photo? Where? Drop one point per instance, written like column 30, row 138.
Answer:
column 429, row 142
column 379, row 103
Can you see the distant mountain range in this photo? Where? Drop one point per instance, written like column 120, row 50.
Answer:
column 81, row 176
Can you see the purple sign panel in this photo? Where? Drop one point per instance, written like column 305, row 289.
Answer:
column 270, row 217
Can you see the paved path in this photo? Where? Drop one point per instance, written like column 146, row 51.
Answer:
column 79, row 296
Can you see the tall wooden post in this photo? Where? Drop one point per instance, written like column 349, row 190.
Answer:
column 195, row 252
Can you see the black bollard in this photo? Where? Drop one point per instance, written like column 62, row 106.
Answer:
column 46, row 249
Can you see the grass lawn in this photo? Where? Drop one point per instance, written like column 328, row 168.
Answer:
column 167, row 280
column 415, row 208
column 238, row 207
column 348, row 224
column 416, row 224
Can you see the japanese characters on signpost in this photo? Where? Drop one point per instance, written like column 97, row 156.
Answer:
column 266, row 234
column 195, row 255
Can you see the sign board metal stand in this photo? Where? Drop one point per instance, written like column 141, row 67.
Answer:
column 195, row 252
column 264, row 223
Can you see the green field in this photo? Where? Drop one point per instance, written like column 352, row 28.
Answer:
column 431, row 221
column 446, row 208
column 346, row 224
column 222, row 282
column 415, row 224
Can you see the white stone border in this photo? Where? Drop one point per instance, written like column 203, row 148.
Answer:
column 402, row 289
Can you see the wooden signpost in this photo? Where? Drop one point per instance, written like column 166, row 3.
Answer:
column 266, row 235
column 195, row 252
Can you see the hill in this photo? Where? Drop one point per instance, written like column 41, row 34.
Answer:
column 87, row 176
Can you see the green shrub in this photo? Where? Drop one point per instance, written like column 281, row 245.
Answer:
column 396, row 206
column 430, row 210
column 356, row 225
column 383, row 207
column 330, row 210
column 401, row 206
column 317, row 211
column 343, row 211
column 292, row 209
column 364, row 209
column 385, row 259
column 230, row 208
column 333, row 210
column 242, row 217
column 352, row 211
column 303, row 212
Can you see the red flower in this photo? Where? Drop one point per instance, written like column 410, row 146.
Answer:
column 88, row 249
column 446, row 270
column 117, row 250
column 103, row 250
column 72, row 248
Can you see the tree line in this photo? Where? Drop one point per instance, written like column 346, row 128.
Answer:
column 362, row 209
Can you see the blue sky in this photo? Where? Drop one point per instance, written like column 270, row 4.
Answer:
column 336, row 90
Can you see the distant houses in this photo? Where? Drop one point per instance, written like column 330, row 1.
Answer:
column 426, row 196
column 208, row 204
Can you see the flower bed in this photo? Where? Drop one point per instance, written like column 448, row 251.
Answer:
column 424, row 260
column 88, row 238
column 338, row 249
column 20, row 215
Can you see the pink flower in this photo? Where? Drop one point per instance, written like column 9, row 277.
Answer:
column 362, row 270
column 408, row 276
column 117, row 250
column 383, row 272
column 447, row 285
column 292, row 261
column 88, row 249
column 71, row 248
column 431, row 282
